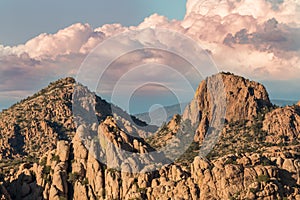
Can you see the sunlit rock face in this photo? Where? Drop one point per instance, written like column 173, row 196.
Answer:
column 256, row 155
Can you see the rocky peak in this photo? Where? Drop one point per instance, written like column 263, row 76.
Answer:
column 249, row 162
column 34, row 125
column 240, row 98
column 245, row 98
column 61, row 82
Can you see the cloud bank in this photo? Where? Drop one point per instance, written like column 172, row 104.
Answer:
column 258, row 39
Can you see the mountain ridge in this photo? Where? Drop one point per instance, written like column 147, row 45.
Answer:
column 49, row 111
column 255, row 155
column 175, row 109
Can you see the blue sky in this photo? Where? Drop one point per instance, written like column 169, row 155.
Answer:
column 258, row 41
column 22, row 20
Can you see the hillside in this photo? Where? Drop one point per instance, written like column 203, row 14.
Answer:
column 254, row 155
column 32, row 127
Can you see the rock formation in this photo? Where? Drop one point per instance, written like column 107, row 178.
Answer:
column 256, row 155
column 33, row 126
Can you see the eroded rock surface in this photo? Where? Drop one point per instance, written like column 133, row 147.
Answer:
column 256, row 155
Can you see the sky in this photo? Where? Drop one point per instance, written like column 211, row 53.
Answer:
column 23, row 20
column 41, row 41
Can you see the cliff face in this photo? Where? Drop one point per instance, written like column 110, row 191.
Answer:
column 245, row 98
column 227, row 96
column 256, row 155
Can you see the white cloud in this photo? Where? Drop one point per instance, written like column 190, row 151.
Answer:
column 153, row 21
column 100, row 34
column 64, row 42
column 261, row 40
column 77, row 38
column 238, row 34
column 262, row 10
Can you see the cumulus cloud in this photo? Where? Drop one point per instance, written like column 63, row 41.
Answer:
column 271, row 36
column 49, row 46
column 77, row 38
column 100, row 34
column 257, row 39
column 287, row 11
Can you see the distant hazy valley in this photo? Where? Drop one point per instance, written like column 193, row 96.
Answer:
column 165, row 113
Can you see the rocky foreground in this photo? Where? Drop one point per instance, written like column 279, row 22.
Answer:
column 256, row 155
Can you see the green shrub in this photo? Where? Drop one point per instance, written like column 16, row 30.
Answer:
column 253, row 190
column 46, row 169
column 265, row 161
column 263, row 178
column 55, row 158
column 178, row 119
column 45, row 173
column 85, row 181
column 230, row 161
column 73, row 177
column 43, row 161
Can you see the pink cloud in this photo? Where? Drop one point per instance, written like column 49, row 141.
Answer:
column 250, row 49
